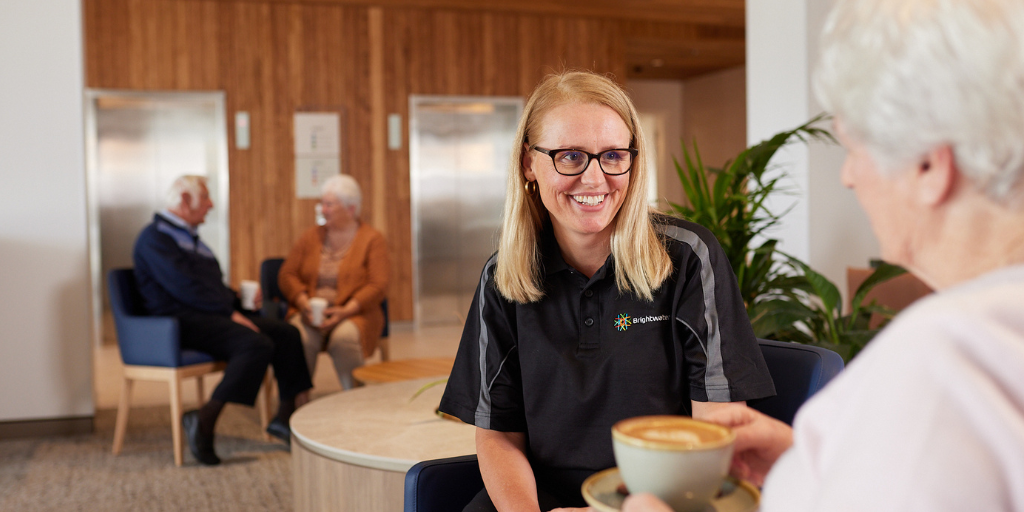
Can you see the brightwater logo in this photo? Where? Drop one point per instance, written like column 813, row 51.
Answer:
column 624, row 321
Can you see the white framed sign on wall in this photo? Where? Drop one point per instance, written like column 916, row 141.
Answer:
column 317, row 151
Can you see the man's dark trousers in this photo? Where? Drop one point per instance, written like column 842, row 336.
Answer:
column 247, row 354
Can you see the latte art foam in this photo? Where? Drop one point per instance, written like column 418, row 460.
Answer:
column 670, row 432
column 675, row 436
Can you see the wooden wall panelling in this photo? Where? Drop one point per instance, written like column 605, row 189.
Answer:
column 291, row 73
column 195, row 53
column 378, row 121
column 247, row 47
column 398, row 29
column 104, row 27
column 722, row 12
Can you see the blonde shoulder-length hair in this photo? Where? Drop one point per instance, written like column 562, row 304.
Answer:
column 641, row 262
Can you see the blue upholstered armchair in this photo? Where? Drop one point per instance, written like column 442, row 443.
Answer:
column 151, row 350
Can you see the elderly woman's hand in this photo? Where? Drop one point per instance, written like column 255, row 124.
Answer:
column 334, row 315
column 302, row 304
column 760, row 441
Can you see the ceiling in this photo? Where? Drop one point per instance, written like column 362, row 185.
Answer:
column 667, row 39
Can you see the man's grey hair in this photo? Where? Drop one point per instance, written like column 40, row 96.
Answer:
column 190, row 183
column 345, row 189
column 907, row 76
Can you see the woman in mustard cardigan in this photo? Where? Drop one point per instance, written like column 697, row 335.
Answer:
column 345, row 262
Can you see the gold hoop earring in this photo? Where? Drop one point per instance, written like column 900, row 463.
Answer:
column 531, row 188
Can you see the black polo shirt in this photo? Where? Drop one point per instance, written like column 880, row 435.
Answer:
column 566, row 368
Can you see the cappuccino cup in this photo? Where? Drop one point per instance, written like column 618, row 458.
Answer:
column 248, row 292
column 680, row 460
column 317, row 305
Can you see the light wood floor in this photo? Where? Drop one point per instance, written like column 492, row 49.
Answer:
column 406, row 343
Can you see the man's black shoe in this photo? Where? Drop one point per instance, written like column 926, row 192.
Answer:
column 200, row 445
column 278, row 429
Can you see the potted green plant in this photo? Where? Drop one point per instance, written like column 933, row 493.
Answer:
column 785, row 299
column 806, row 307
column 731, row 202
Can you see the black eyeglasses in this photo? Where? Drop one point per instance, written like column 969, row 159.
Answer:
column 571, row 162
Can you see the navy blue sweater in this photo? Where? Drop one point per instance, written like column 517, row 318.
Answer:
column 178, row 274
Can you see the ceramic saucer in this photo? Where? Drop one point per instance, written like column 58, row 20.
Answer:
column 601, row 493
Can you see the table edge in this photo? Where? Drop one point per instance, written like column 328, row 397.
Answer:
column 354, row 458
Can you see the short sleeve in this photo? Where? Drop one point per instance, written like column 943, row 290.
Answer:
column 723, row 357
column 485, row 387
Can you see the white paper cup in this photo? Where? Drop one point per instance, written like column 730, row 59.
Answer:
column 249, row 289
column 317, row 305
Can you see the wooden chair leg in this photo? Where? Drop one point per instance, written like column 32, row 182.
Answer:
column 176, row 432
column 263, row 403
column 121, row 424
column 200, row 396
column 385, row 349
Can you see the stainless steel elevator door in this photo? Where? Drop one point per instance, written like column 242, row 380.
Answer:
column 137, row 145
column 459, row 156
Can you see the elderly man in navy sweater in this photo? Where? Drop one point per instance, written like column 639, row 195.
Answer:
column 179, row 276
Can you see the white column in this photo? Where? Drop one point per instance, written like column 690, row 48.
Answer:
column 826, row 227
column 45, row 348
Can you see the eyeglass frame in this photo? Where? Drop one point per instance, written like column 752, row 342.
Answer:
column 590, row 158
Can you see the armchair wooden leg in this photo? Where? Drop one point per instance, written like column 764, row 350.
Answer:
column 121, row 424
column 200, row 396
column 385, row 349
column 176, row 432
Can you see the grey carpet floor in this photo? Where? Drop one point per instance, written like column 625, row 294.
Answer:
column 78, row 473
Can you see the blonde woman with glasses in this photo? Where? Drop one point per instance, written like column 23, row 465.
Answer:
column 594, row 309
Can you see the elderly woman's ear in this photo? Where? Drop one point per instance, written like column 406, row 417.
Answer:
column 937, row 177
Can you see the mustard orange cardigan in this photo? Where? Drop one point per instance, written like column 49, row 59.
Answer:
column 363, row 274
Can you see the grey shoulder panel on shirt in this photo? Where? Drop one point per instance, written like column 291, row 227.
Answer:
column 483, row 407
column 715, row 382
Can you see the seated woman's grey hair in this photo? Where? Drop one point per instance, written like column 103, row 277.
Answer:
column 934, row 73
column 346, row 190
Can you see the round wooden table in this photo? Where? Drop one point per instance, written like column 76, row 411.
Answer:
column 406, row 369
column 351, row 450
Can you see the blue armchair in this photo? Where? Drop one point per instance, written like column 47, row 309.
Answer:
column 274, row 303
column 151, row 350
column 799, row 371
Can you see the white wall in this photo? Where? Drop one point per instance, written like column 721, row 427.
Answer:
column 45, row 349
column 715, row 115
column 826, row 227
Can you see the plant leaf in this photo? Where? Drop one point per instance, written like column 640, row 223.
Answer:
column 883, row 273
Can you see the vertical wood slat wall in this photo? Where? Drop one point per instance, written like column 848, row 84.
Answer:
column 274, row 58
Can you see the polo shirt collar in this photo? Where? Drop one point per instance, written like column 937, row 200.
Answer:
column 551, row 256
column 178, row 221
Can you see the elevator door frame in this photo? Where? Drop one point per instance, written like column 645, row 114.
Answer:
column 92, row 170
column 414, row 145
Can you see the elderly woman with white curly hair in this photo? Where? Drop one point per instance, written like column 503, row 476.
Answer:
column 346, row 263
column 928, row 97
